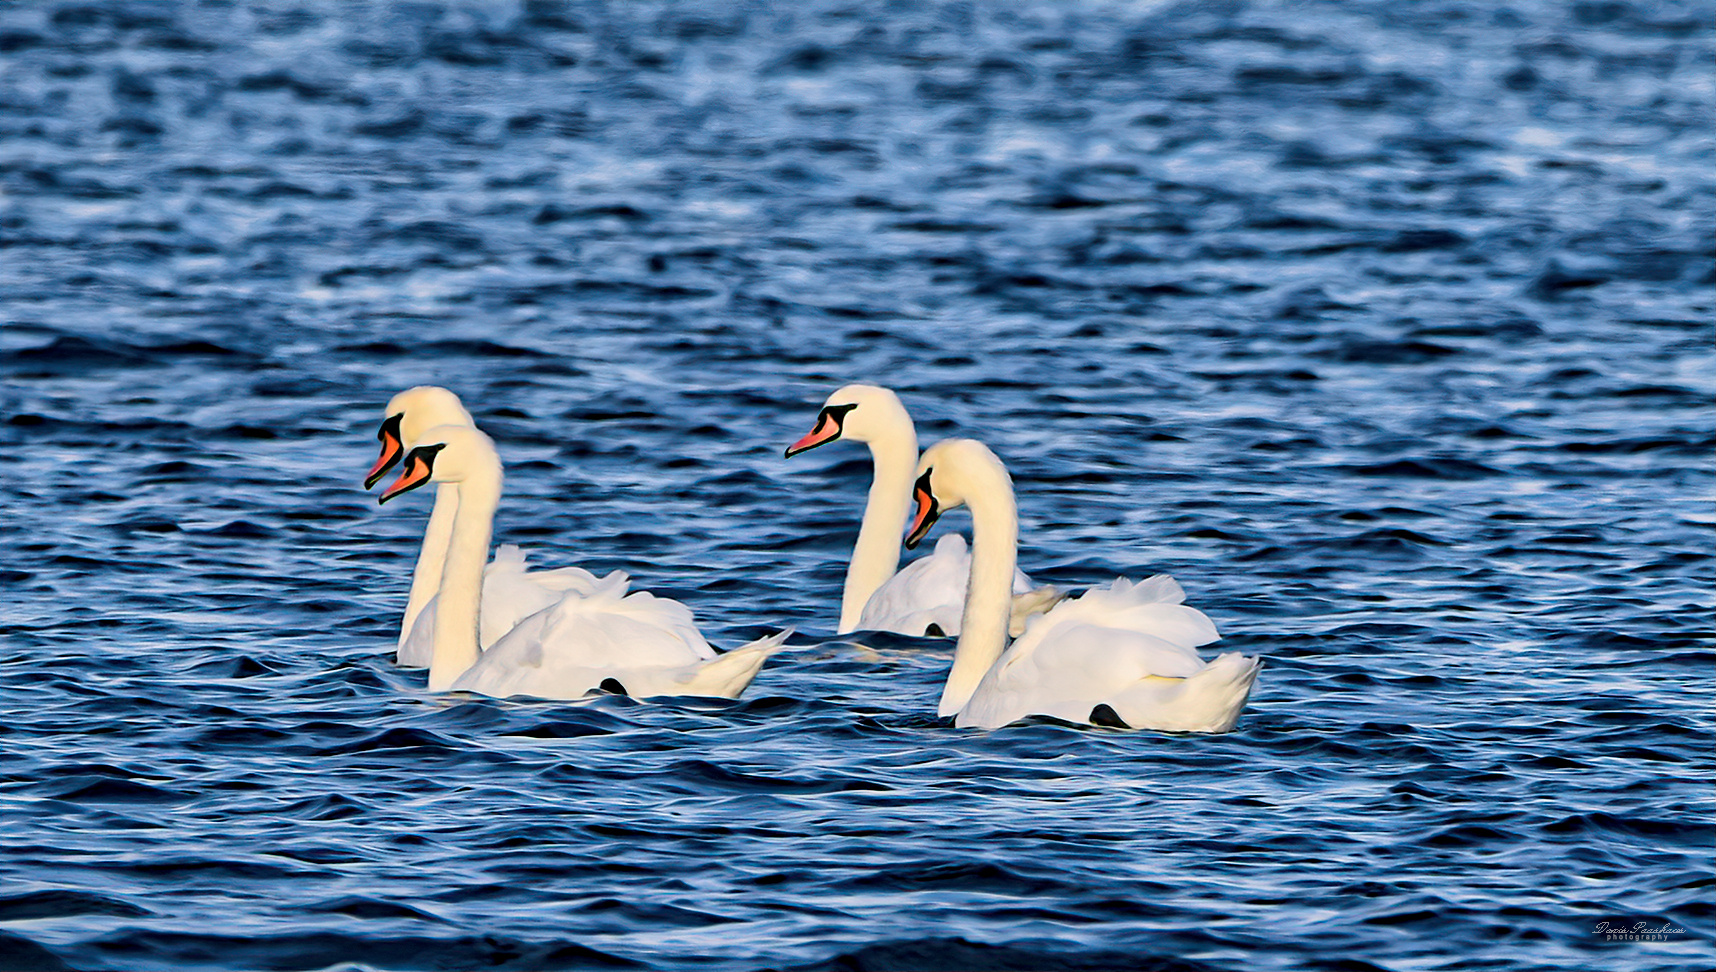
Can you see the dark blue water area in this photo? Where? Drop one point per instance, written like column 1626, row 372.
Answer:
column 1385, row 327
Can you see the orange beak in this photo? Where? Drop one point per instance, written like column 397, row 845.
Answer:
column 391, row 450
column 928, row 511
column 415, row 474
column 827, row 430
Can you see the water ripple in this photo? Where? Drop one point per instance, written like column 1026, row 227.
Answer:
column 1383, row 327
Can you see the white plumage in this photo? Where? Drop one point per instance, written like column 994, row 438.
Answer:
column 511, row 593
column 1132, row 647
column 1124, row 653
column 927, row 596
column 591, row 635
column 931, row 591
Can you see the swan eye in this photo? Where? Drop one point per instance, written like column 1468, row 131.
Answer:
column 827, row 429
column 391, row 450
column 419, row 467
column 928, row 510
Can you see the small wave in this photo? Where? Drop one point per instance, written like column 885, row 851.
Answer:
column 705, row 772
column 962, row 955
column 81, row 789
column 34, row 905
column 372, row 909
column 1441, row 467
column 317, row 950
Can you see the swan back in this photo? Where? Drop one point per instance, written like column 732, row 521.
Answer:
column 640, row 628
column 1154, row 606
column 1132, row 646
column 649, row 645
column 511, row 562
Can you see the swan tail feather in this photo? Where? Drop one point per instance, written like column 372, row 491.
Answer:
column 728, row 674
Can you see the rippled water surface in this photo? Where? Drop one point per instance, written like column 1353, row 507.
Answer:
column 1383, row 327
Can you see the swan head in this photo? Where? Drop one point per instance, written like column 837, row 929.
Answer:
column 446, row 454
column 408, row 415
column 949, row 474
column 861, row 413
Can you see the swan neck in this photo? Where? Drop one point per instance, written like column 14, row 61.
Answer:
column 875, row 557
column 988, row 593
column 461, row 591
column 431, row 557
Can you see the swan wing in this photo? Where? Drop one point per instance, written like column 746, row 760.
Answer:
column 639, row 629
column 1078, row 666
column 570, row 647
column 1030, row 603
column 418, row 645
column 565, row 654
column 1153, row 607
column 1131, row 646
column 511, row 593
column 511, row 560
column 507, row 599
column 931, row 590
column 1208, row 698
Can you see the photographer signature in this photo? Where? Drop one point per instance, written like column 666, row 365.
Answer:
column 1638, row 930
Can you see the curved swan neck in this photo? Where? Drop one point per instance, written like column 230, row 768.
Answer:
column 989, row 592
column 875, row 557
column 461, row 591
column 431, row 557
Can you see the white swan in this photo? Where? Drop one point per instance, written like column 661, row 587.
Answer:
column 928, row 596
column 639, row 644
column 1121, row 655
column 511, row 593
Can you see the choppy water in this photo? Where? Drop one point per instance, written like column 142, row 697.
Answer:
column 1384, row 327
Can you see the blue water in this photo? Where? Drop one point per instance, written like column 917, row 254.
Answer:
column 1385, row 328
